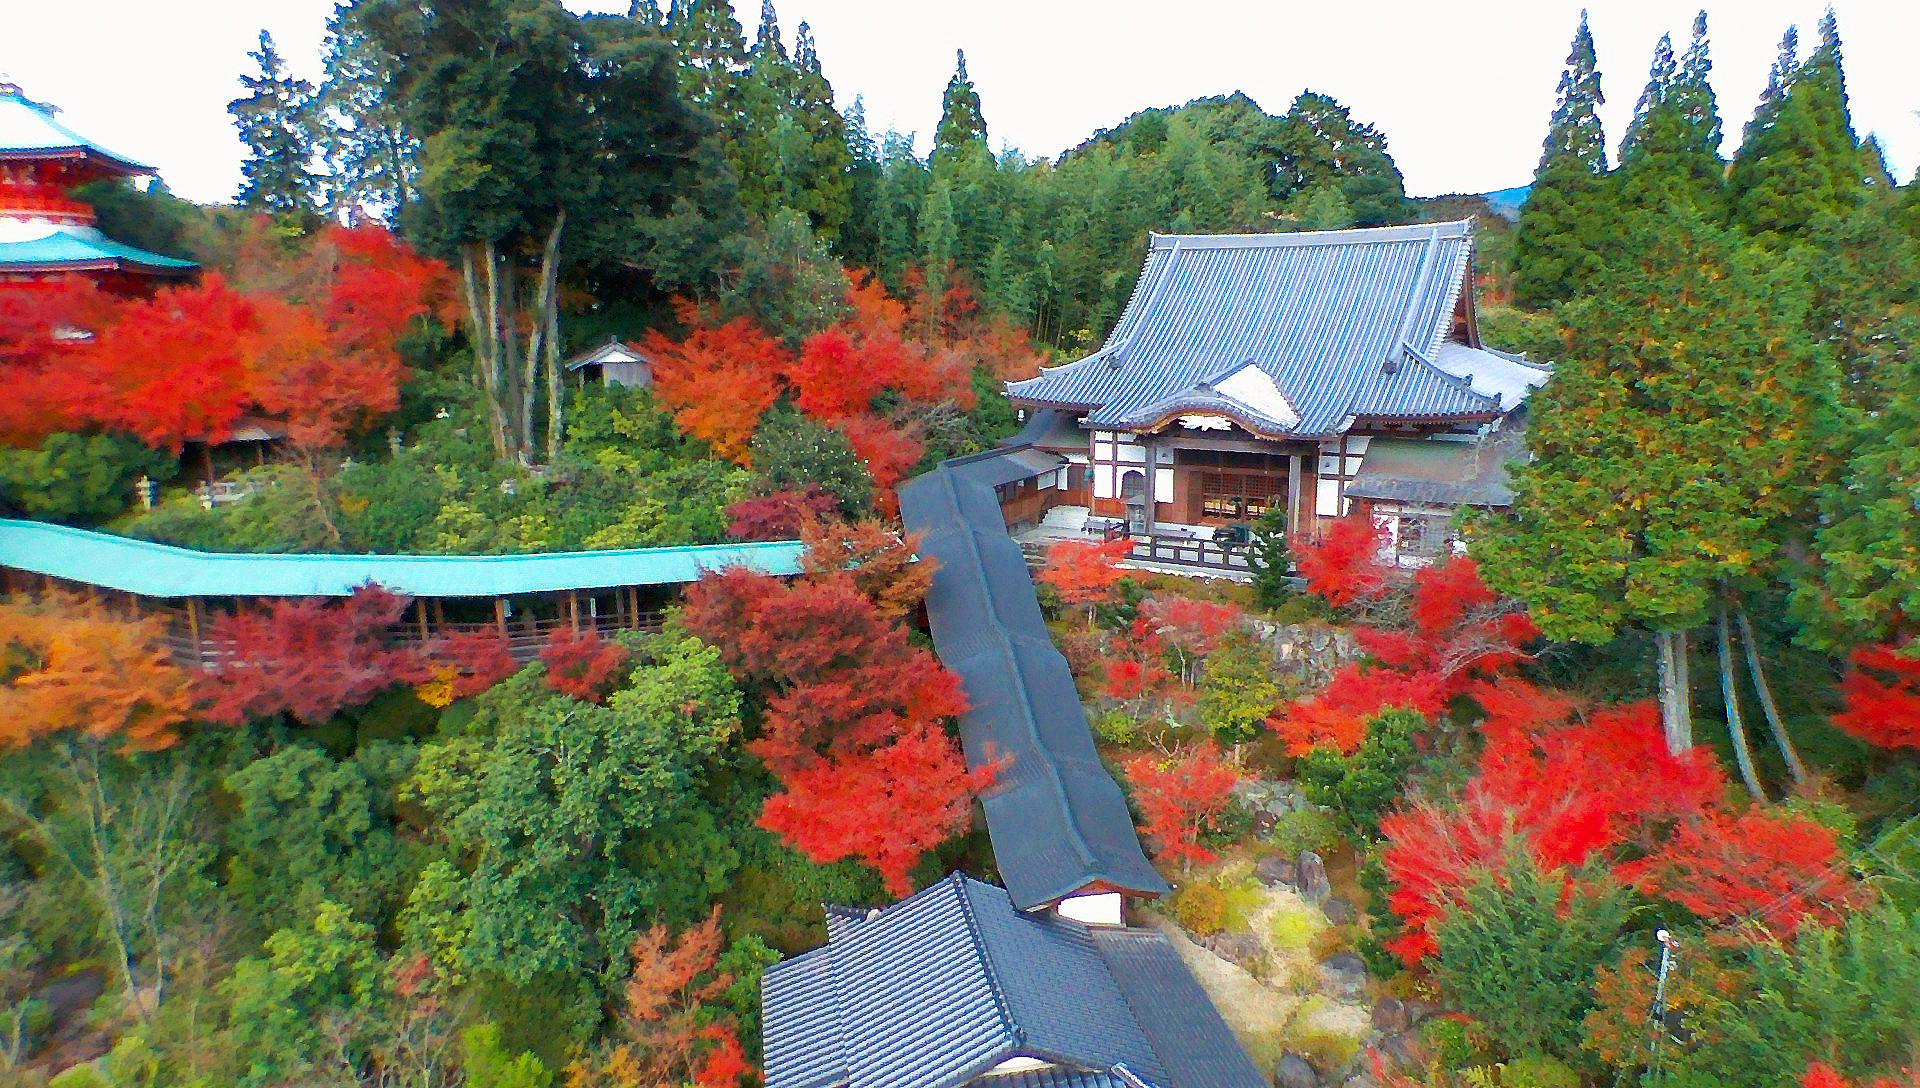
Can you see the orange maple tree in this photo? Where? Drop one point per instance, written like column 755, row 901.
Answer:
column 1084, row 572
column 74, row 668
column 1181, row 795
column 717, row 382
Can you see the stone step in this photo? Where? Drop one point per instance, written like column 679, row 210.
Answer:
column 1065, row 517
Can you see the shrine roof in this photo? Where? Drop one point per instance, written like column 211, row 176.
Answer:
column 28, row 130
column 1337, row 326
column 79, row 249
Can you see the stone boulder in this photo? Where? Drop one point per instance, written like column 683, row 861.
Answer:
column 1315, row 888
column 1343, row 977
column 1276, row 873
column 1240, row 949
column 1339, row 912
column 1390, row 1015
column 1293, row 1071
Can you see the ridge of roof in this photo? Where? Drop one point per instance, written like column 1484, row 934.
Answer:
column 27, row 130
column 960, row 882
column 1350, row 236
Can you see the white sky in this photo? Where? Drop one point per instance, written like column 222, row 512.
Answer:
column 1462, row 91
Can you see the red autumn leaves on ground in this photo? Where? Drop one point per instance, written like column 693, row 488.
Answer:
column 855, row 721
column 720, row 380
column 318, row 353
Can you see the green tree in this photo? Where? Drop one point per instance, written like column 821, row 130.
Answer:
column 1318, row 143
column 1800, row 156
column 373, row 157
column 1678, row 443
column 822, row 166
column 962, row 125
column 1565, row 225
column 794, row 453
column 79, row 478
column 1518, row 951
column 1270, row 556
column 547, row 795
column 278, row 121
column 712, row 48
column 1671, row 153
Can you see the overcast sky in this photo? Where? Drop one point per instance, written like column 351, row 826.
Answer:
column 1462, row 91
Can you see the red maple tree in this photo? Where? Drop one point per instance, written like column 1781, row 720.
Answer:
column 676, row 1031
column 307, row 658
column 1342, row 568
column 1881, row 696
column 1084, row 572
column 780, row 515
column 1181, row 795
column 718, row 382
column 1190, row 628
column 1770, row 870
column 581, row 664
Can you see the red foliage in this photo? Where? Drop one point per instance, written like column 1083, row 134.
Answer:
column 308, row 658
column 718, row 382
column 887, row 807
column 780, row 515
column 581, row 664
column 1191, row 628
column 480, row 659
column 725, row 1062
column 1552, row 793
column 1881, row 695
column 1084, row 572
column 888, row 451
column 1337, row 717
column 1821, row 1075
column 1775, row 871
column 677, row 1030
column 1343, row 567
column 41, row 328
column 840, row 371
column 854, row 723
column 1181, row 796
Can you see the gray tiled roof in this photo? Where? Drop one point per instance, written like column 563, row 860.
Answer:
column 1472, row 472
column 1345, row 323
column 935, row 991
column 1058, row 822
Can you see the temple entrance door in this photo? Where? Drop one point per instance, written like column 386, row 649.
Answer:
column 1133, row 491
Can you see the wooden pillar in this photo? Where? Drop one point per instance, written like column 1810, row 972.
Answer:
column 1293, row 495
column 573, row 610
column 193, row 630
column 500, row 615
column 420, row 616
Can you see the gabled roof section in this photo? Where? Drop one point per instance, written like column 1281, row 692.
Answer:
column 939, row 989
column 613, row 351
column 83, row 249
column 1058, row 822
column 29, row 131
column 1344, row 324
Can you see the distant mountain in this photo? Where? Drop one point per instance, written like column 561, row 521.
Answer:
column 1507, row 202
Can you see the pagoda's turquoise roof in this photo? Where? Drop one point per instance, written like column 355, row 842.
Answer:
column 28, row 128
column 75, row 248
column 157, row 570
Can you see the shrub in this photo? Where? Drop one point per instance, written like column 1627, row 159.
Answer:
column 1201, row 909
column 1361, row 787
column 1309, row 829
column 1115, row 727
column 1294, row 930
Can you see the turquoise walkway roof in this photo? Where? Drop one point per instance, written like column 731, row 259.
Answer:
column 156, row 570
column 75, row 248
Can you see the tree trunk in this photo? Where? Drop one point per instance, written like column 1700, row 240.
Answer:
column 1730, row 695
column 512, row 389
column 1676, row 711
column 542, row 330
column 1795, row 765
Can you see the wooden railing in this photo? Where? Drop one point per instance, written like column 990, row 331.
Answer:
column 1189, row 551
column 524, row 639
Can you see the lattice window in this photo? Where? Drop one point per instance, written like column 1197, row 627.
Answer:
column 1235, row 496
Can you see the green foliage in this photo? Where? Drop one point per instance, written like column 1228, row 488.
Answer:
column 488, row 1064
column 547, row 795
column 746, row 959
column 1518, row 954
column 961, row 122
column 315, row 994
column 1307, row 829
column 1848, row 997
column 278, row 122
column 1523, row 332
column 1294, row 930
column 1800, row 157
column 1362, row 786
column 1270, row 556
column 1238, row 690
column 1565, row 226
column 1115, row 727
column 1671, row 153
column 79, row 478
column 792, row 452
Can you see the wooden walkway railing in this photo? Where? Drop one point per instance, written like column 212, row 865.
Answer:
column 524, row 640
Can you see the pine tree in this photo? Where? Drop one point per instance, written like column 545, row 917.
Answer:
column 713, row 51
column 1801, row 157
column 1566, row 224
column 278, row 120
column 822, row 170
column 1319, row 142
column 1678, row 443
column 374, row 159
column 961, row 122
column 1671, row 153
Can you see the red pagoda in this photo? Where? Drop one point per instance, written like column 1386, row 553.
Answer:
column 45, row 233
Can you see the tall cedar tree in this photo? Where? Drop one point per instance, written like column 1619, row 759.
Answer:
column 1676, row 447
column 371, row 154
column 1565, row 225
column 1320, row 150
column 1671, row 152
column 1800, row 157
column 962, row 125
column 279, row 122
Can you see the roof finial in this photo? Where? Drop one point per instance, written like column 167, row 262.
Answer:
column 8, row 86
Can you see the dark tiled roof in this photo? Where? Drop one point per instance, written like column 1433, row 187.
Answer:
column 1472, row 472
column 1195, row 1045
column 935, row 991
column 1344, row 323
column 1058, row 822
column 1050, row 428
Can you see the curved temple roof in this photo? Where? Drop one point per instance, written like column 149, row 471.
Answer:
column 1058, row 822
column 76, row 249
column 157, row 570
column 1342, row 324
column 28, row 130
